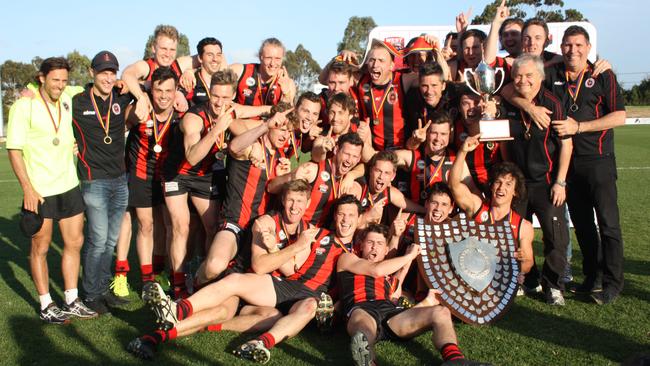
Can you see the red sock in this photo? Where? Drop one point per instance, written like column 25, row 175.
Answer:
column 158, row 264
column 160, row 336
column 213, row 328
column 268, row 340
column 146, row 272
column 451, row 352
column 122, row 268
column 183, row 309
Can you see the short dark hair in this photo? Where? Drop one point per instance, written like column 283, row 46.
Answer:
column 431, row 68
column 575, row 30
column 347, row 199
column 539, row 22
column 507, row 22
column 310, row 96
column 207, row 41
column 163, row 74
column 351, row 138
column 384, row 155
column 509, row 168
column 224, row 77
column 452, row 35
column 51, row 64
column 345, row 101
column 439, row 188
column 473, row 33
column 439, row 117
column 340, row 67
column 373, row 228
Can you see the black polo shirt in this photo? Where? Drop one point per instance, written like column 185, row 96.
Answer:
column 598, row 97
column 538, row 156
column 98, row 160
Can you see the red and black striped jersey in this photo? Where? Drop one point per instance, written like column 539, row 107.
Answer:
column 424, row 173
column 484, row 215
column 245, row 191
column 271, row 160
column 153, row 65
column 482, row 159
column 283, row 238
column 383, row 106
column 322, row 194
column 356, row 289
column 141, row 159
column 200, row 93
column 176, row 162
column 318, row 269
column 252, row 91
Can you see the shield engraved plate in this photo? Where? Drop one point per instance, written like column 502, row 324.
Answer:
column 475, row 270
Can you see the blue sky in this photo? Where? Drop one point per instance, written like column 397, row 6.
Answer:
column 44, row 29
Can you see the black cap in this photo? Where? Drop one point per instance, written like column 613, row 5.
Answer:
column 30, row 222
column 104, row 60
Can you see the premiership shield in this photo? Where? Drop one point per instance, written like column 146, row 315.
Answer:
column 471, row 264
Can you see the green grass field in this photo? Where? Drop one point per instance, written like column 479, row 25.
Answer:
column 532, row 333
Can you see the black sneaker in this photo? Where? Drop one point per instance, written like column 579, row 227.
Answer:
column 141, row 348
column 586, row 288
column 254, row 351
column 97, row 305
column 360, row 350
column 604, row 297
column 78, row 309
column 112, row 300
column 53, row 315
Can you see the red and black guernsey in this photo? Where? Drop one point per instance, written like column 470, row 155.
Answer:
column 176, row 162
column 317, row 271
column 538, row 155
column 153, row 65
column 283, row 238
column 482, row 159
column 199, row 94
column 386, row 115
column 484, row 215
column 251, row 90
column 356, row 289
column 98, row 160
column 322, row 194
column 597, row 97
column 141, row 161
column 424, row 169
column 272, row 159
column 245, row 191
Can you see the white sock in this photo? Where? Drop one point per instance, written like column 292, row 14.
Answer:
column 70, row 295
column 45, row 300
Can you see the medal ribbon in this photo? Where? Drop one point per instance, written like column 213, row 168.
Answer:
column 341, row 245
column 106, row 126
column 284, row 228
column 159, row 133
column 377, row 110
column 265, row 96
column 223, row 133
column 492, row 220
column 427, row 181
column 205, row 86
column 574, row 91
column 58, row 106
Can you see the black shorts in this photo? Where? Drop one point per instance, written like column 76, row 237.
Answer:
column 288, row 292
column 381, row 311
column 144, row 193
column 197, row 186
column 63, row 205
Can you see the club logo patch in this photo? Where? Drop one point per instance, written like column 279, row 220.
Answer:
column 250, row 81
column 485, row 216
column 116, row 109
column 325, row 176
column 323, row 188
column 325, row 240
column 66, row 106
column 247, row 92
column 590, row 83
column 420, row 164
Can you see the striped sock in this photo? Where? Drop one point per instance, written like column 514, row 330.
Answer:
column 183, row 309
column 450, row 352
column 161, row 336
column 268, row 340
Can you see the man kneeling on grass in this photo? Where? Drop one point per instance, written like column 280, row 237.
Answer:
column 372, row 317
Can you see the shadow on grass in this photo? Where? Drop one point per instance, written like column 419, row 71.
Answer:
column 15, row 249
column 637, row 267
column 569, row 333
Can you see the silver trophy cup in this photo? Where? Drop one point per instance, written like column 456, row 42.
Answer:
column 484, row 80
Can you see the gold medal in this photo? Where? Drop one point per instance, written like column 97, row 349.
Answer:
column 490, row 145
column 108, row 140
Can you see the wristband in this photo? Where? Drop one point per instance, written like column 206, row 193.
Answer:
column 561, row 183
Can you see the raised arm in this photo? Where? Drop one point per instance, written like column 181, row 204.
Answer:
column 463, row 196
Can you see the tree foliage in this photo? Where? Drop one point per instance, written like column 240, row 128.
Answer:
column 183, row 48
column 638, row 94
column 549, row 10
column 355, row 37
column 79, row 68
column 15, row 76
column 302, row 68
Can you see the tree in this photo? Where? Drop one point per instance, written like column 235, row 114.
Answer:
column 355, row 37
column 15, row 76
column 302, row 68
column 183, row 48
column 549, row 10
column 639, row 94
column 79, row 68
